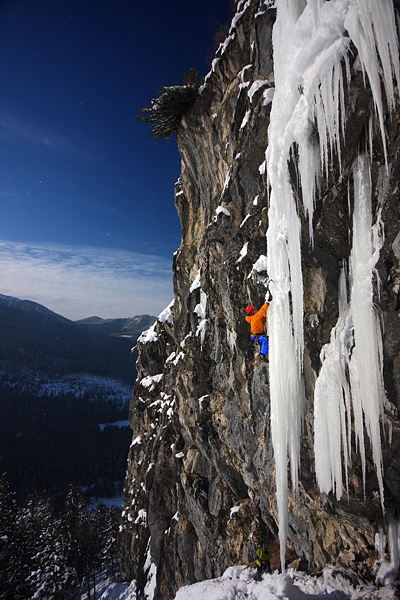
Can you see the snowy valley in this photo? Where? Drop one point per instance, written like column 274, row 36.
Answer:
column 61, row 383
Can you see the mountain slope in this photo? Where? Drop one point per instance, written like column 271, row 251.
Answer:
column 36, row 338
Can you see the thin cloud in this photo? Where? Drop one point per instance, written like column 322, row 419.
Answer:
column 81, row 281
column 23, row 134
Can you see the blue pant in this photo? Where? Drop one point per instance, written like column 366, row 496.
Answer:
column 263, row 340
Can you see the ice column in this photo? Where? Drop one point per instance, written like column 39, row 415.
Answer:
column 285, row 315
column 372, row 28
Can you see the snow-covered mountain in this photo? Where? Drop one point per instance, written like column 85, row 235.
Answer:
column 13, row 311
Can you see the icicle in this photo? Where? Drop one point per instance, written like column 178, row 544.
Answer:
column 285, row 316
column 332, row 423
column 372, row 28
column 366, row 361
column 355, row 348
column 388, row 570
column 394, row 544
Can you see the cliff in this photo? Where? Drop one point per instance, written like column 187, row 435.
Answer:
column 308, row 447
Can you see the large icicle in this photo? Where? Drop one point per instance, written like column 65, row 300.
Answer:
column 332, row 402
column 285, row 316
column 372, row 28
column 366, row 363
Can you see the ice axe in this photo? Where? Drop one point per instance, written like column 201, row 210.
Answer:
column 261, row 278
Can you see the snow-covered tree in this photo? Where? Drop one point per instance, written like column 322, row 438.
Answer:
column 7, row 520
column 107, row 520
column 50, row 577
column 46, row 555
column 32, row 563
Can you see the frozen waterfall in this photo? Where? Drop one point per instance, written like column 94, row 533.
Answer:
column 311, row 42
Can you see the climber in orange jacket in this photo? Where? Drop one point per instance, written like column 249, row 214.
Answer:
column 257, row 320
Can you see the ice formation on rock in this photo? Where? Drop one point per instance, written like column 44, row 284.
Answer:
column 311, row 43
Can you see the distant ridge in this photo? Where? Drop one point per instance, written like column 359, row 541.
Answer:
column 122, row 327
column 26, row 310
column 90, row 320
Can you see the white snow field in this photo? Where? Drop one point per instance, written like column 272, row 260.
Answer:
column 237, row 583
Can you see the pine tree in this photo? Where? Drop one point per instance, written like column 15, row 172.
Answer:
column 107, row 520
column 50, row 578
column 46, row 556
column 82, row 540
column 166, row 111
column 74, row 529
column 8, row 513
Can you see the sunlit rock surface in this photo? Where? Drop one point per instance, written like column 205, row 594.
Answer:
column 201, row 465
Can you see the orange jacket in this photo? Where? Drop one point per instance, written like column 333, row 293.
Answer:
column 257, row 321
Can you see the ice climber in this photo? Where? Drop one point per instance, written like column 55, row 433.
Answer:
column 257, row 326
column 261, row 553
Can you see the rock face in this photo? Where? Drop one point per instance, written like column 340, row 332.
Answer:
column 201, row 465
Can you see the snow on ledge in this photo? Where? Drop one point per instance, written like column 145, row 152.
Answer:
column 150, row 335
column 221, row 210
column 196, row 282
column 151, row 380
column 166, row 315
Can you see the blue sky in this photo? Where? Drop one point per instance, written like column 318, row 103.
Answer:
column 87, row 218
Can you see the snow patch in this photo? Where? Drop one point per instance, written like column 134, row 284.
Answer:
column 245, row 119
column 196, row 282
column 238, row 583
column 243, row 252
column 200, row 310
column 151, row 574
column 255, row 86
column 232, row 512
column 244, row 220
column 141, row 518
column 150, row 380
column 259, row 266
column 166, row 315
column 149, row 335
column 221, row 210
column 268, row 96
